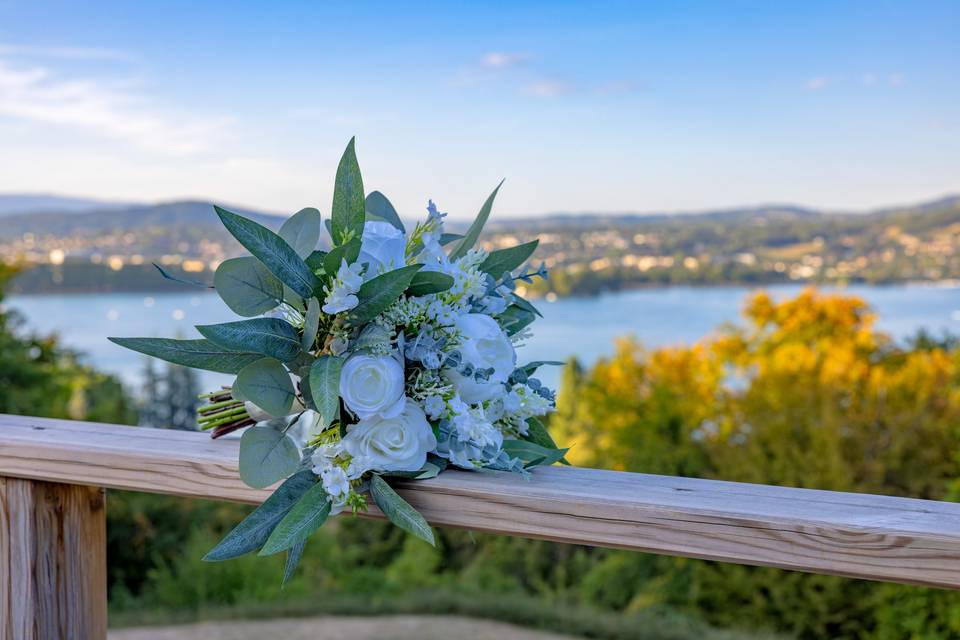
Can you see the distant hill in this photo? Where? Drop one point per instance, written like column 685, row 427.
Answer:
column 175, row 216
column 23, row 203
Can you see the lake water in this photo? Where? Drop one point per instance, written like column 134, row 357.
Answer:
column 581, row 327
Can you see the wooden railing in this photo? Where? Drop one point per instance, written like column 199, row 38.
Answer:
column 53, row 534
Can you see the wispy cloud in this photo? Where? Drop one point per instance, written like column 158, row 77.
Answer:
column 547, row 89
column 617, row 88
column 64, row 53
column 39, row 95
column 817, row 83
column 501, row 60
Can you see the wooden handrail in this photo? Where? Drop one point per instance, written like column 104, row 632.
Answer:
column 856, row 535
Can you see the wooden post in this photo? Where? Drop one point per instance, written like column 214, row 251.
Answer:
column 53, row 569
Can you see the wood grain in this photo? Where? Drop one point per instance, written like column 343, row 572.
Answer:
column 53, row 570
column 865, row 536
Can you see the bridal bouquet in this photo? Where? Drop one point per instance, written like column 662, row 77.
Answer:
column 390, row 356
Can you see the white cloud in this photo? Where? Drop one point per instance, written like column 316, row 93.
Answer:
column 38, row 95
column 896, row 79
column 66, row 53
column 817, row 83
column 547, row 89
column 500, row 60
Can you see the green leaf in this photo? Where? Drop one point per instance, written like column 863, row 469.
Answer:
column 293, row 559
column 302, row 231
column 199, row 354
column 532, row 454
column 247, row 287
column 271, row 337
column 427, row 282
column 378, row 207
column 504, row 261
column 379, row 293
column 473, row 233
column 187, row 281
column 311, row 324
column 348, row 211
column 531, row 367
column 349, row 252
column 325, row 387
column 254, row 530
column 525, row 305
column 304, row 518
column 315, row 260
column 398, row 511
column 427, row 471
column 293, row 299
column 270, row 249
column 447, row 238
column 267, row 384
column 266, row 456
column 537, row 433
column 514, row 319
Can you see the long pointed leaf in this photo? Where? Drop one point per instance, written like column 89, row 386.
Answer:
column 254, row 530
column 199, row 354
column 271, row 337
column 172, row 278
column 325, row 387
column 473, row 233
column 379, row 293
column 348, row 212
column 398, row 511
column 293, row 559
column 270, row 249
column 505, row 260
column 311, row 324
column 308, row 515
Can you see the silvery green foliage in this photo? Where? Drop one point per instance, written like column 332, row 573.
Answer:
column 385, row 351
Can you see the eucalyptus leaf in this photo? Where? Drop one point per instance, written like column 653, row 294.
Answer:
column 377, row 294
column 531, row 367
column 427, row 471
column 247, row 287
column 302, row 231
column 271, row 337
column 325, row 387
column 192, row 283
column 379, row 208
column 293, row 299
column 198, row 354
column 254, row 530
column 398, row 511
column 348, row 211
column 266, row 456
column 270, row 249
column 306, row 516
column 311, row 324
column 267, row 384
column 473, row 233
column 504, row 261
column 427, row 282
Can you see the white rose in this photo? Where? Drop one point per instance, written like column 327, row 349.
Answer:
column 484, row 345
column 400, row 443
column 372, row 385
column 382, row 248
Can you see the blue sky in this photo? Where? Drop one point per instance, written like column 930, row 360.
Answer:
column 581, row 106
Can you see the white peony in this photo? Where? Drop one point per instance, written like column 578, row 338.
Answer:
column 484, row 345
column 372, row 385
column 400, row 443
column 382, row 248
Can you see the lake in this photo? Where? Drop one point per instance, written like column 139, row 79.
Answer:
column 581, row 327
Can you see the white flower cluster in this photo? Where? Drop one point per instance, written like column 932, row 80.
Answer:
column 434, row 377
